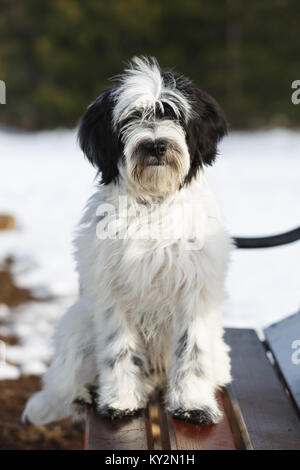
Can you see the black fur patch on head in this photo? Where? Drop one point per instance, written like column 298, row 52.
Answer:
column 206, row 127
column 98, row 140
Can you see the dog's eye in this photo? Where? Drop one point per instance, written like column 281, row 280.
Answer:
column 136, row 115
column 168, row 113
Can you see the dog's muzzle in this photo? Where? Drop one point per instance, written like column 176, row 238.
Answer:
column 153, row 152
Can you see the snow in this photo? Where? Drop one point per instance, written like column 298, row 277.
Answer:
column 257, row 180
column 33, row 324
column 45, row 181
column 9, row 372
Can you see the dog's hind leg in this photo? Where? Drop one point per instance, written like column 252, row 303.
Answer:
column 72, row 368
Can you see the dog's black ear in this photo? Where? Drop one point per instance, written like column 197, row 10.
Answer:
column 205, row 129
column 97, row 138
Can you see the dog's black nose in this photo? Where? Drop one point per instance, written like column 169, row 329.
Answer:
column 155, row 148
column 149, row 148
column 161, row 148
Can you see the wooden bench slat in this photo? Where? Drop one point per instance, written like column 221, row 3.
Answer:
column 204, row 437
column 158, row 423
column 280, row 337
column 129, row 433
column 270, row 418
column 135, row 433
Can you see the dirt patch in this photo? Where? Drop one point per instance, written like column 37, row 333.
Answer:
column 14, row 393
column 10, row 294
column 7, row 222
column 10, row 340
column 15, row 436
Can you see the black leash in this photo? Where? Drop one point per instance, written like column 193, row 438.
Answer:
column 267, row 242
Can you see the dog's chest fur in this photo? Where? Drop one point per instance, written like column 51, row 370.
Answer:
column 144, row 260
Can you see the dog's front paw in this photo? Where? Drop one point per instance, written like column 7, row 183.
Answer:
column 197, row 416
column 116, row 406
column 116, row 413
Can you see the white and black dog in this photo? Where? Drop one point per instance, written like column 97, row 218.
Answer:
column 152, row 257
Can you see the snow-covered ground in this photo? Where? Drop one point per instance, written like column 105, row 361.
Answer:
column 45, row 181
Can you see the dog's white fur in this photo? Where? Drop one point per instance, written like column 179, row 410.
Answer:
column 142, row 87
column 150, row 308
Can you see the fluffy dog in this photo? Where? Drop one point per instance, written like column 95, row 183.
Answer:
column 152, row 256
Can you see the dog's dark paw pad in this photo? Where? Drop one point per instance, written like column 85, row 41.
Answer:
column 78, row 409
column 201, row 416
column 93, row 392
column 80, row 403
column 115, row 413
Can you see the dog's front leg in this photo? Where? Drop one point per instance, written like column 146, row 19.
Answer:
column 191, row 394
column 122, row 367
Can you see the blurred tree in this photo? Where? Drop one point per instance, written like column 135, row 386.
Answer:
column 56, row 56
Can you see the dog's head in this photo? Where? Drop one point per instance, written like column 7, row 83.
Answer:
column 154, row 130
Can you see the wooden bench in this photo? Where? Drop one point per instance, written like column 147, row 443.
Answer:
column 260, row 408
